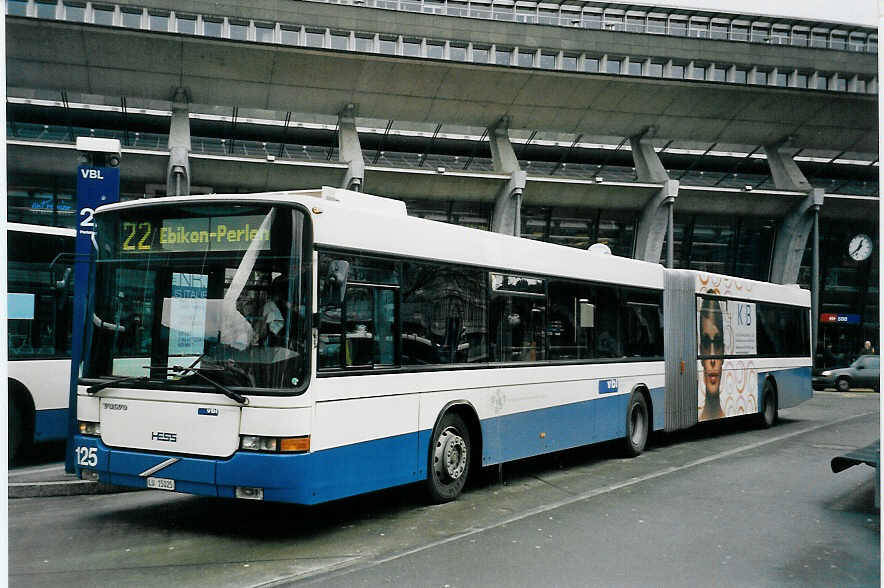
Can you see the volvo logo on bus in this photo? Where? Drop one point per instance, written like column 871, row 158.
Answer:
column 164, row 436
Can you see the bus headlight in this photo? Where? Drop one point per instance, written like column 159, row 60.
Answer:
column 255, row 443
column 89, row 428
column 275, row 444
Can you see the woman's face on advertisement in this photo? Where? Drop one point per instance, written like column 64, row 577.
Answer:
column 711, row 343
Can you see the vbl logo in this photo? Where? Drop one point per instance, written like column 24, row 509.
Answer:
column 91, row 174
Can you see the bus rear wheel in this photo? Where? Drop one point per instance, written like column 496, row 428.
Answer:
column 449, row 462
column 768, row 415
column 637, row 424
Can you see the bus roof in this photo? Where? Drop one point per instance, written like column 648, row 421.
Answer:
column 41, row 229
column 743, row 288
column 363, row 223
column 398, row 234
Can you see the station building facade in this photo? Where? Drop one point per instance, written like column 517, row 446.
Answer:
column 572, row 122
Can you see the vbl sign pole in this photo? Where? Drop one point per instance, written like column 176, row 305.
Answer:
column 97, row 183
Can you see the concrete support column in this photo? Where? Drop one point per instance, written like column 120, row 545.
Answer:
column 656, row 221
column 784, row 171
column 178, row 172
column 791, row 239
column 653, row 224
column 648, row 166
column 798, row 224
column 350, row 150
column 507, row 216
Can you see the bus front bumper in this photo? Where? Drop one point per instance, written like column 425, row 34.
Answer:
column 279, row 477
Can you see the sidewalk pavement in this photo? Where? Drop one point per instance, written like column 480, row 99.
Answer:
column 51, row 480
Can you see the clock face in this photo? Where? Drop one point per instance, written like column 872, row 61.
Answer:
column 860, row 247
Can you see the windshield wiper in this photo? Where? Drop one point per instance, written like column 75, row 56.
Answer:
column 217, row 385
column 97, row 387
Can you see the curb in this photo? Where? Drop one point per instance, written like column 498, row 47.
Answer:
column 63, row 488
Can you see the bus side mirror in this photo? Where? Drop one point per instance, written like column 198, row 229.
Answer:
column 338, row 271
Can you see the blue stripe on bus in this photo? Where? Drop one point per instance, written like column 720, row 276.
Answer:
column 372, row 465
column 534, row 432
column 658, row 408
column 50, row 424
column 793, row 386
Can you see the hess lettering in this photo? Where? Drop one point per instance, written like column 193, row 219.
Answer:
column 164, row 436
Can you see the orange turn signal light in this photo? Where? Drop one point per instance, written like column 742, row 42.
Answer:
column 294, row 444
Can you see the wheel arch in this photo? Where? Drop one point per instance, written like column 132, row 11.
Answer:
column 770, row 379
column 22, row 394
column 642, row 388
column 843, row 377
column 466, row 410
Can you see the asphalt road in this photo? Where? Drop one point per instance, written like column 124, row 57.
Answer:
column 727, row 506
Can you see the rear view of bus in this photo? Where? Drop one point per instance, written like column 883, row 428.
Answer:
column 197, row 345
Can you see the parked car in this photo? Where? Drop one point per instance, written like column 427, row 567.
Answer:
column 864, row 372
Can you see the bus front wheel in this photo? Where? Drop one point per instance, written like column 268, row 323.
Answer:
column 449, row 458
column 637, row 424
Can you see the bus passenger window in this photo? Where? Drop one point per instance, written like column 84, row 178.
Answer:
column 369, row 326
column 607, row 324
column 568, row 340
column 642, row 324
column 518, row 318
column 443, row 314
column 329, row 327
column 358, row 329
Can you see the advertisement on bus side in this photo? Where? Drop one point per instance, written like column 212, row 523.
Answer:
column 728, row 383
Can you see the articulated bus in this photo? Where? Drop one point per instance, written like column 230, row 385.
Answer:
column 40, row 308
column 311, row 345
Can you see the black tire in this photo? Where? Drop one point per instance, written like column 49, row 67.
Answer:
column 768, row 415
column 638, row 424
column 843, row 385
column 449, row 459
column 17, row 428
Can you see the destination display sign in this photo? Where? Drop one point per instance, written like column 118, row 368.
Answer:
column 221, row 233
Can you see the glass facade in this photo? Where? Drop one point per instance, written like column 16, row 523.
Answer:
column 41, row 207
column 849, row 291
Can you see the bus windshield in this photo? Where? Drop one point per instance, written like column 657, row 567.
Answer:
column 219, row 289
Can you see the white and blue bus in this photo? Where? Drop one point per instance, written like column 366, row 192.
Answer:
column 39, row 311
column 312, row 345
